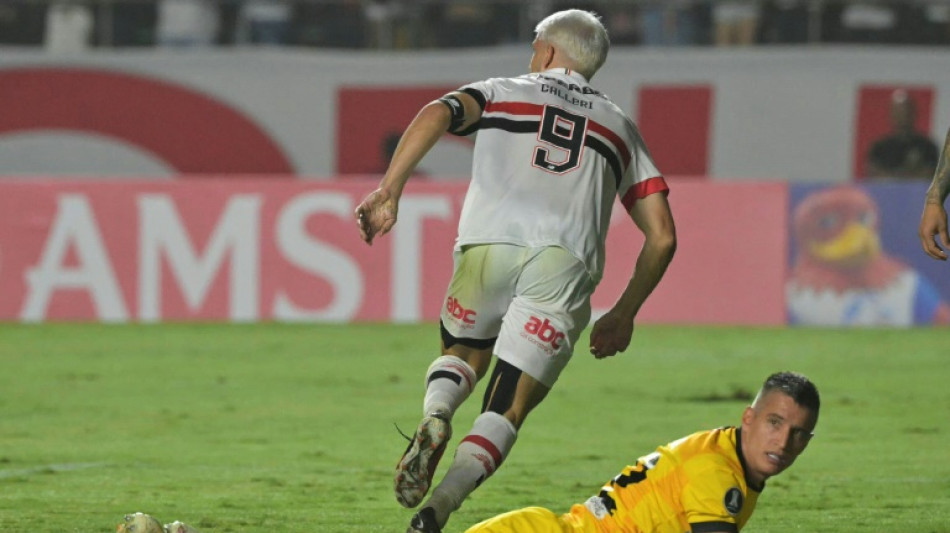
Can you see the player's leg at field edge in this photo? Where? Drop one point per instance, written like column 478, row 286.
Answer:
column 510, row 395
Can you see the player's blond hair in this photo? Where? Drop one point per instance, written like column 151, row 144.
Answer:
column 580, row 35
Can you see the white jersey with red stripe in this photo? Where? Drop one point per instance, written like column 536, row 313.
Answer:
column 550, row 156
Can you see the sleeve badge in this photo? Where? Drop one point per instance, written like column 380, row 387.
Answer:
column 733, row 501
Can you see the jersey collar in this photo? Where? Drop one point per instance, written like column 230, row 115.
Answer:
column 745, row 467
column 566, row 71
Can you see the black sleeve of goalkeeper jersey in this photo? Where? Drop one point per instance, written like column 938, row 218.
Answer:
column 713, row 527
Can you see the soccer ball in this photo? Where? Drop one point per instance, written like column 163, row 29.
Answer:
column 139, row 523
column 143, row 523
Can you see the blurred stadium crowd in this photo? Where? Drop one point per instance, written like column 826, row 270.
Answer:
column 70, row 25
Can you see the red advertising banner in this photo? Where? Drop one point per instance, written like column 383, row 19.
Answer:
column 370, row 121
column 729, row 265
column 672, row 117
column 288, row 250
column 193, row 133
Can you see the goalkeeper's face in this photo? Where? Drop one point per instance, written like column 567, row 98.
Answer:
column 775, row 430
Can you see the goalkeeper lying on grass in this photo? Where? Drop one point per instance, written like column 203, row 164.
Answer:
column 707, row 482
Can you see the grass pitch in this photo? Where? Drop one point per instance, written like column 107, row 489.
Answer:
column 289, row 428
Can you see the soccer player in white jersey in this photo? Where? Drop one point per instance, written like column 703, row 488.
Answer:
column 551, row 155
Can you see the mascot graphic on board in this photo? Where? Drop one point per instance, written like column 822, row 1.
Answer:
column 842, row 277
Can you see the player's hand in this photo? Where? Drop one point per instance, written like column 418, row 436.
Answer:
column 933, row 228
column 611, row 334
column 376, row 214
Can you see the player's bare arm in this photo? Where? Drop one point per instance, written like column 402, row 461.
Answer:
column 377, row 213
column 613, row 331
column 933, row 221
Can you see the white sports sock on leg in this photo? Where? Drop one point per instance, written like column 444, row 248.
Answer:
column 449, row 381
column 477, row 457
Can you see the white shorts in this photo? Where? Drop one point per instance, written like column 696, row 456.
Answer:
column 536, row 301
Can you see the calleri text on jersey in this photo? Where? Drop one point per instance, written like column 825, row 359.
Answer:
column 564, row 95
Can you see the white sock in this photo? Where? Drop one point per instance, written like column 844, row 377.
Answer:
column 477, row 457
column 449, row 381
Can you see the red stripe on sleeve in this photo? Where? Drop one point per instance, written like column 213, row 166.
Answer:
column 643, row 189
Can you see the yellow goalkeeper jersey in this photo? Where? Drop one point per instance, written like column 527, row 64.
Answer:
column 696, row 483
